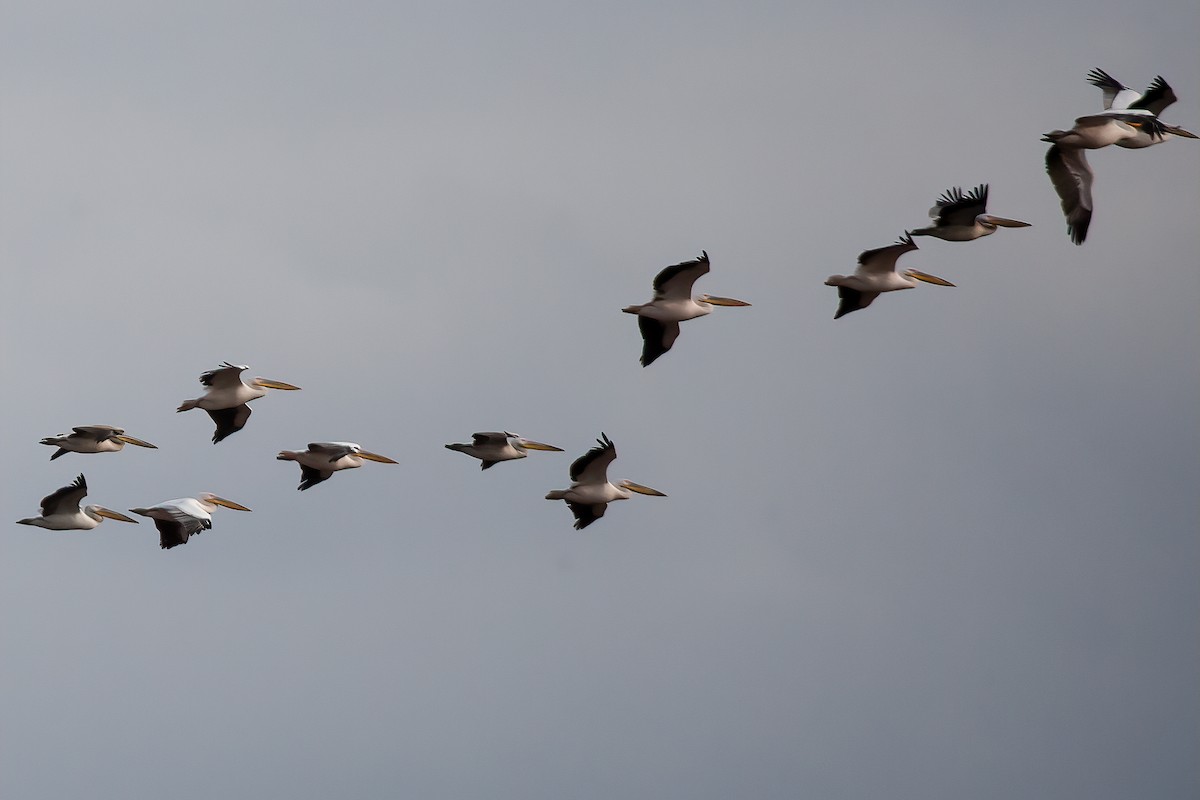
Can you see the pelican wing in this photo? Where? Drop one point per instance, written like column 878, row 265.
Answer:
column 490, row 438
column 586, row 513
column 657, row 338
column 97, row 432
column 1158, row 96
column 882, row 260
column 853, row 300
column 334, row 450
column 65, row 500
column 675, row 282
column 172, row 533
column 224, row 377
column 956, row 208
column 228, row 420
column 1072, row 178
column 592, row 466
column 310, row 477
column 1116, row 94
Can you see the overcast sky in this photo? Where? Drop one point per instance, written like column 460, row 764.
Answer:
column 946, row 547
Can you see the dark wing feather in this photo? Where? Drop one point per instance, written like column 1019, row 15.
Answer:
column 484, row 464
column 1157, row 97
column 891, row 253
column 170, row 533
column 229, row 420
column 59, row 452
column 956, row 208
column 1109, row 85
column 605, row 449
column 586, row 514
column 225, row 375
column 657, row 338
column 310, row 477
column 65, row 499
column 852, row 300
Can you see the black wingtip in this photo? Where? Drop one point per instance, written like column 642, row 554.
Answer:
column 58, row 452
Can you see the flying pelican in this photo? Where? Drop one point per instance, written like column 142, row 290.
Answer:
column 590, row 491
column 876, row 273
column 1120, row 99
column 61, row 511
column 659, row 319
column 496, row 446
column 962, row 217
column 1095, row 131
column 176, row 520
column 322, row 459
column 227, row 396
column 92, row 439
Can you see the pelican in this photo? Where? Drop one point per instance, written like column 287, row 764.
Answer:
column 876, row 273
column 227, row 396
column 1120, row 99
column 590, row 491
column 962, row 217
column 495, row 446
column 176, row 520
column 659, row 319
column 92, row 439
column 61, row 511
column 322, row 459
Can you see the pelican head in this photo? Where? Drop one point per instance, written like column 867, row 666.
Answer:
column 639, row 488
column 721, row 301
column 211, row 501
column 993, row 221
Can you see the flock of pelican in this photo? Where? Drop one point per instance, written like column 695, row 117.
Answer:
column 1130, row 119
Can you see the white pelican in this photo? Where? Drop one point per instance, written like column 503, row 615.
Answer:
column 962, row 217
column 876, row 273
column 92, row 439
column 1072, row 178
column 322, row 459
column 176, row 520
column 659, row 319
column 227, row 396
column 495, row 446
column 1120, row 99
column 61, row 511
column 590, row 491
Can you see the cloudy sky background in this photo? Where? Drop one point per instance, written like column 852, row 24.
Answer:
column 943, row 548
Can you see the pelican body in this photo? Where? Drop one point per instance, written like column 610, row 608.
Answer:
column 61, row 511
column 962, row 217
column 227, row 397
column 1095, row 131
column 92, row 439
column 590, row 491
column 178, row 519
column 659, row 319
column 876, row 274
column 492, row 447
column 1120, row 99
column 322, row 459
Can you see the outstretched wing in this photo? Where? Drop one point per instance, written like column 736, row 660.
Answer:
column 956, row 208
column 675, row 282
column 1072, row 178
column 310, row 477
column 592, row 466
column 1116, row 94
column 65, row 500
column 882, row 260
column 657, row 338
column 1158, row 96
column 229, row 420
column 852, row 300
column 224, row 377
column 586, row 514
column 97, row 432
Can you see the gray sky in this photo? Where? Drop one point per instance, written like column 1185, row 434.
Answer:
column 943, row 548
